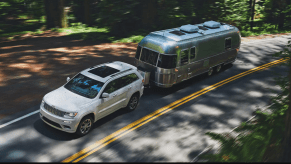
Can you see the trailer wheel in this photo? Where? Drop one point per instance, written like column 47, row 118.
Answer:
column 218, row 68
column 210, row 71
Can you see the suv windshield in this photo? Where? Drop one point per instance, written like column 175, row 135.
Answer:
column 84, row 86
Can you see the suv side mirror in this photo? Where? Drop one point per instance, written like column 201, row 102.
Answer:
column 68, row 78
column 105, row 95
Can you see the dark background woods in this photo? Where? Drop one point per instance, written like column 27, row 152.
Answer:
column 124, row 16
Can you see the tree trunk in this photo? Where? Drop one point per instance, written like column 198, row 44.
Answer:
column 283, row 6
column 149, row 13
column 286, row 157
column 250, row 12
column 87, row 13
column 281, row 21
column 253, row 14
column 55, row 16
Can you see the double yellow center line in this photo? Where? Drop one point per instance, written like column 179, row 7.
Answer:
column 130, row 127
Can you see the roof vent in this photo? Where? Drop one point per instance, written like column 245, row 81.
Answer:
column 177, row 32
column 202, row 28
column 212, row 24
column 189, row 28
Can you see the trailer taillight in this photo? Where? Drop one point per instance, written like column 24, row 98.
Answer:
column 143, row 80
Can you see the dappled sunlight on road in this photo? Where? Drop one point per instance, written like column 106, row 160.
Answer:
column 36, row 66
column 206, row 110
column 9, row 47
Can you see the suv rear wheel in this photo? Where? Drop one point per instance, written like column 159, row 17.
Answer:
column 132, row 103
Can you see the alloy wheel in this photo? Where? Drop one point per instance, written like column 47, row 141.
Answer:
column 86, row 126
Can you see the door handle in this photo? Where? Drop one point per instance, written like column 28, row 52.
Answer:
column 114, row 95
column 129, row 87
column 179, row 75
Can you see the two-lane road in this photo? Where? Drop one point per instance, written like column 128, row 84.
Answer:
column 168, row 125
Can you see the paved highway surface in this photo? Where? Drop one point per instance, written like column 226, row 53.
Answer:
column 174, row 133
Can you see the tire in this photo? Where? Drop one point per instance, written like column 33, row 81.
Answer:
column 210, row 71
column 218, row 68
column 132, row 103
column 85, row 126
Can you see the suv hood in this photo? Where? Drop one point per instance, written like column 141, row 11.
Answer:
column 66, row 100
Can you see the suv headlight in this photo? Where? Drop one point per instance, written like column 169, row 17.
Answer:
column 70, row 114
column 42, row 103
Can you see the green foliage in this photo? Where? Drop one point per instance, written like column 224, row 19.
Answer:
column 265, row 28
column 273, row 9
column 81, row 31
column 234, row 12
column 252, row 141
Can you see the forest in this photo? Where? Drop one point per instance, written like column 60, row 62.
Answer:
column 110, row 20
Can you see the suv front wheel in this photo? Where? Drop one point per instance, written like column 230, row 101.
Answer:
column 132, row 103
column 85, row 126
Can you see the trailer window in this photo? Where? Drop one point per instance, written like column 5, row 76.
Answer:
column 149, row 56
column 227, row 43
column 192, row 53
column 167, row 61
column 137, row 52
column 184, row 57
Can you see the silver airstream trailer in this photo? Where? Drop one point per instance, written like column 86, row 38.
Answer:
column 167, row 57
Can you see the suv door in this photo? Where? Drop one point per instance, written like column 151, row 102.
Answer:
column 130, row 82
column 116, row 95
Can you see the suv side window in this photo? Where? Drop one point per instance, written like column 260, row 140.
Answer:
column 128, row 79
column 113, row 86
column 184, row 57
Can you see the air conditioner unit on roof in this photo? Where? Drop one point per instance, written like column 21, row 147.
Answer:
column 189, row 28
column 212, row 24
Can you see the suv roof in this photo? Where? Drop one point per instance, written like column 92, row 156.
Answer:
column 106, row 71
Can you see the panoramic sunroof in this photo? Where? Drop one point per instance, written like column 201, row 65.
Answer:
column 103, row 71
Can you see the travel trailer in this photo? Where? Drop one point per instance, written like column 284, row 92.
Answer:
column 168, row 57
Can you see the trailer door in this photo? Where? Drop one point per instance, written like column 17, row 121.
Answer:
column 183, row 66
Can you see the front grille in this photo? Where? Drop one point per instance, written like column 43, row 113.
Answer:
column 53, row 110
column 51, row 122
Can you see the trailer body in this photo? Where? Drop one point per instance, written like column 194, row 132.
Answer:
column 168, row 57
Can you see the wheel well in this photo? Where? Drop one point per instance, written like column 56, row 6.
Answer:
column 137, row 94
column 90, row 115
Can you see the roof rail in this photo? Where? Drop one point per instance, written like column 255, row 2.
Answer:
column 120, row 72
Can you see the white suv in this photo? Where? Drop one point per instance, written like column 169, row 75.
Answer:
column 92, row 94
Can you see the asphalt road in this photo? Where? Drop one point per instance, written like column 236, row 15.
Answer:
column 176, row 136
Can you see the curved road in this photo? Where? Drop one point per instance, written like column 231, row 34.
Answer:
column 176, row 134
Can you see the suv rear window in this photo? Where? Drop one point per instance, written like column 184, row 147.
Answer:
column 167, row 61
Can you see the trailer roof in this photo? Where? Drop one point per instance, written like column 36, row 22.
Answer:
column 204, row 29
